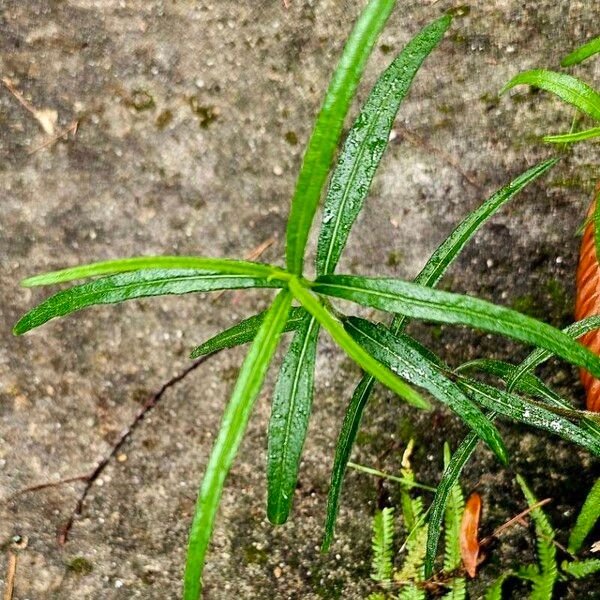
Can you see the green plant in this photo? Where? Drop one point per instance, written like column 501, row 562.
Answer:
column 407, row 582
column 544, row 575
column 386, row 354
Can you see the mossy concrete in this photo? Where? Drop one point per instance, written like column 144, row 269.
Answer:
column 192, row 119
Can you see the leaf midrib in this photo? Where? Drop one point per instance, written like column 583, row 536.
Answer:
column 288, row 421
column 355, row 167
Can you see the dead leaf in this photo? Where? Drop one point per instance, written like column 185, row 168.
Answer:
column 587, row 301
column 469, row 526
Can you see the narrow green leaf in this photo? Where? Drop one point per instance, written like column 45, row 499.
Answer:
column 580, row 54
column 417, row 301
column 407, row 483
column 436, row 266
column 292, row 403
column 245, row 331
column 137, row 284
column 543, row 585
column 233, row 426
column 534, row 415
column 354, row 350
column 409, row 359
column 540, row 355
column 348, row 431
column 366, row 143
column 328, row 128
column 126, row 265
column 566, row 87
column 586, row 520
column 449, row 479
column 452, row 520
column 576, row 136
column 453, row 245
column 528, row 384
column 579, row 569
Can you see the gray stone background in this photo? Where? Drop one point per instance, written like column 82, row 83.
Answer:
column 192, row 118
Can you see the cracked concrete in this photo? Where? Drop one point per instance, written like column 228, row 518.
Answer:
column 192, row 119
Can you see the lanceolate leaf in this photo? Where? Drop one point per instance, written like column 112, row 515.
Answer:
column 566, row 87
column 541, row 355
column 292, row 403
column 137, row 284
column 407, row 358
column 586, row 520
column 527, row 384
column 366, row 144
column 354, row 350
column 343, row 448
column 576, row 136
column 417, row 301
column 235, row 420
column 126, row 265
column 328, row 128
column 534, row 415
column 580, row 54
column 440, row 501
column 432, row 272
column 245, row 331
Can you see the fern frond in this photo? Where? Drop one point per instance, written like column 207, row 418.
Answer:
column 543, row 585
column 411, row 592
column 457, row 588
column 383, row 539
column 590, row 513
column 528, row 572
column 412, row 567
column 581, row 568
column 494, row 592
column 377, row 596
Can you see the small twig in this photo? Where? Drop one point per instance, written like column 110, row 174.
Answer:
column 251, row 255
column 256, row 252
column 516, row 519
column 71, row 128
column 19, row 543
column 21, row 99
column 43, row 486
column 93, row 476
column 11, row 571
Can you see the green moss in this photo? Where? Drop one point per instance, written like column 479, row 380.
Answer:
column 394, row 258
column 206, row 114
column 490, row 100
column 254, row 556
column 80, row 566
column 445, row 109
column 557, row 292
column 528, row 305
column 165, row 117
column 141, row 100
column 291, row 138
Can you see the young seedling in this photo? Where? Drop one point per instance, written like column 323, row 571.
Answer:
column 386, row 354
column 407, row 581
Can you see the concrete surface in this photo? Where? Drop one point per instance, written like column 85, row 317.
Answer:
column 192, row 118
